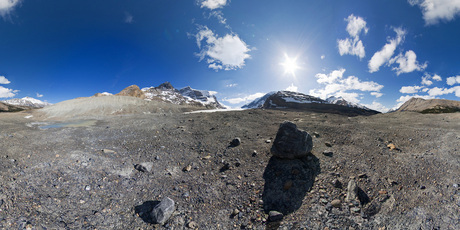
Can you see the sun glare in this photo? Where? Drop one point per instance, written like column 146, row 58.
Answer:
column 290, row 65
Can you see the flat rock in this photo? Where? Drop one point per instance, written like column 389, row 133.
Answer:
column 275, row 216
column 352, row 191
column 291, row 142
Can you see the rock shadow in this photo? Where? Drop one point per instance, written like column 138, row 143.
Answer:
column 287, row 182
column 144, row 210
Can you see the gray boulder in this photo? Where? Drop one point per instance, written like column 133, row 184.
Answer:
column 163, row 211
column 291, row 142
column 352, row 191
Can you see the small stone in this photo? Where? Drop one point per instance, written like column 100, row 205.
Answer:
column 328, row 207
column 254, row 154
column 235, row 212
column 187, row 168
column 291, row 142
column 422, row 187
column 328, row 153
column 315, row 134
column 140, row 168
column 235, row 142
column 107, row 151
column 328, row 144
column 268, row 141
column 163, row 211
column 324, row 201
column 87, row 187
column 383, row 192
column 274, row 216
column 355, row 209
column 206, row 157
column 391, row 146
column 337, row 184
column 455, row 185
column 336, row 203
column 192, row 225
column 352, row 191
column 362, row 175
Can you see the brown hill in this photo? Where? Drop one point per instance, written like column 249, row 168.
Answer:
column 430, row 106
column 132, row 91
column 10, row 108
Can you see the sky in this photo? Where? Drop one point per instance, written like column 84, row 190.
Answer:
column 375, row 53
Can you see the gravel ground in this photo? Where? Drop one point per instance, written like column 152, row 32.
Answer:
column 81, row 174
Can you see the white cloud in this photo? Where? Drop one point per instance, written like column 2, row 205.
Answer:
column 4, row 81
column 6, row 6
column 437, row 77
column 410, row 89
column 377, row 106
column 407, row 63
column 384, row 55
column 426, row 80
column 337, row 85
column 6, row 93
column 39, row 95
column 443, row 91
column 219, row 15
column 213, row 4
column 376, row 94
column 353, row 45
column 129, row 18
column 231, row 85
column 228, row 52
column 323, row 57
column 438, row 10
column 238, row 100
column 453, row 80
column 292, row 88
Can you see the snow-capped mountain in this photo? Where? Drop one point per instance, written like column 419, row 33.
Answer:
column 27, row 101
column 185, row 96
column 340, row 101
column 295, row 100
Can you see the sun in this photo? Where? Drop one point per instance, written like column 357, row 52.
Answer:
column 290, row 65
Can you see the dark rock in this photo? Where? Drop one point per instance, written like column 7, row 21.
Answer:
column 328, row 144
column 235, row 142
column 362, row 175
column 337, row 183
column 422, row 187
column 275, row 216
column 291, row 142
column 163, row 211
column 140, row 168
column 328, row 153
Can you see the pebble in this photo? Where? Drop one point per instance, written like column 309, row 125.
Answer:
column 324, row 201
column 235, row 142
column 352, row 191
column 187, row 168
column 328, row 153
column 254, row 154
column 362, row 175
column 355, row 209
column 328, row 144
column 140, row 168
column 192, row 225
column 235, row 212
column 336, row 183
column 275, row 216
column 336, row 203
column 107, row 151
column 455, row 185
column 87, row 188
column 268, row 141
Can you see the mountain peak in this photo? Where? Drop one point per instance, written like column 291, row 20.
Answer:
column 166, row 85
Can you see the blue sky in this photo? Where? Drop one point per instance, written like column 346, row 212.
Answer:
column 376, row 53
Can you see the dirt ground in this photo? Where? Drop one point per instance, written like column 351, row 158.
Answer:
column 80, row 174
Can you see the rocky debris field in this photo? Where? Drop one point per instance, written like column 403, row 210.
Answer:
column 217, row 171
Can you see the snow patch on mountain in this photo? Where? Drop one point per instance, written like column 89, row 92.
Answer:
column 27, row 101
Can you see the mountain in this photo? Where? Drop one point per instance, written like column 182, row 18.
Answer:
column 430, row 106
column 295, row 100
column 132, row 91
column 27, row 102
column 10, row 108
column 185, row 96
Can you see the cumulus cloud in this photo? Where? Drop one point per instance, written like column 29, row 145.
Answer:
column 407, row 63
column 377, row 106
column 437, row 10
column 292, row 88
column 376, row 94
column 353, row 45
column 337, row 85
column 436, row 91
column 437, row 77
column 248, row 98
column 228, row 52
column 410, row 89
column 384, row 55
column 6, row 6
column 453, row 80
column 6, row 93
column 4, row 81
column 213, row 4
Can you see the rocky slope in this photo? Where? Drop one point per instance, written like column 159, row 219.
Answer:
column 430, row 106
column 10, row 108
column 27, row 102
column 300, row 101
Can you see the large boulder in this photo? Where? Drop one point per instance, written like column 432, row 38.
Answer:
column 163, row 211
column 132, row 91
column 291, row 142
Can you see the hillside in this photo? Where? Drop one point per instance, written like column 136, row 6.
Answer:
column 430, row 106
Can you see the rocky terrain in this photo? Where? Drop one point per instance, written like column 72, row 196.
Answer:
column 27, row 102
column 90, row 164
column 430, row 106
